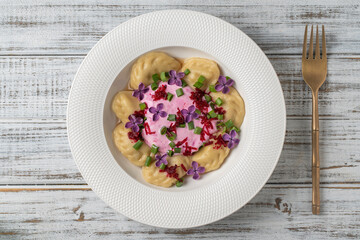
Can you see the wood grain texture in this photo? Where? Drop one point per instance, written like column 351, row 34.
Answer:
column 73, row 27
column 38, row 87
column 278, row 211
column 38, row 152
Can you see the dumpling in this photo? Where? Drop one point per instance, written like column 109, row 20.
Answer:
column 125, row 146
column 211, row 158
column 201, row 66
column 124, row 104
column 149, row 64
column 233, row 104
column 152, row 175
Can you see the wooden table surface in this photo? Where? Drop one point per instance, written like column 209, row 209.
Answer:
column 42, row 193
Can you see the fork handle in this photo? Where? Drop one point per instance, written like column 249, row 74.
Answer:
column 315, row 155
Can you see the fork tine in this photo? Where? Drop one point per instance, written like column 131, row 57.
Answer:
column 323, row 43
column 317, row 47
column 311, row 44
column 304, row 45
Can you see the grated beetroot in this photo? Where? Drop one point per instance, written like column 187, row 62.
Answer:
column 183, row 167
column 171, row 172
column 219, row 141
column 160, row 93
column 147, row 129
column 179, row 118
column 178, row 144
column 198, row 99
column 140, row 113
column 135, row 136
column 219, row 110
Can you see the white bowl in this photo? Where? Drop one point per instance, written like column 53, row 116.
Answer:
column 106, row 70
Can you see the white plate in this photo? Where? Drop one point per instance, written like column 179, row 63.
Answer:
column 105, row 71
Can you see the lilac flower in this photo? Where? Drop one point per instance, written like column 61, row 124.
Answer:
column 230, row 138
column 139, row 93
column 195, row 170
column 175, row 78
column 189, row 114
column 161, row 160
column 134, row 123
column 157, row 112
column 224, row 84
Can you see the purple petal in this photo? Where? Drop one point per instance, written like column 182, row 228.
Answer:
column 201, row 170
column 191, row 109
column 163, row 158
column 236, row 141
column 156, row 117
column 131, row 118
column 196, row 176
column 129, row 125
column 229, row 82
column 194, row 165
column 180, row 75
column 172, row 73
column 145, row 90
column 222, row 80
column 160, row 106
column 231, row 144
column 226, row 90
column 178, row 82
column 195, row 115
column 164, row 161
column 135, row 128
column 184, row 112
column 141, row 86
column 219, row 87
column 233, row 133
column 188, row 118
column 152, row 110
column 158, row 157
column 158, row 163
column 171, row 81
column 141, row 96
column 138, row 120
column 163, row 114
column 190, row 172
column 136, row 93
column 226, row 137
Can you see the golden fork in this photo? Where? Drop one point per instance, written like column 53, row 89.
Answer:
column 314, row 72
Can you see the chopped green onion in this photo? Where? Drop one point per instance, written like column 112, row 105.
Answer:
column 208, row 116
column 169, row 96
column 207, row 98
column 212, row 105
column 182, row 125
column 141, row 125
column 145, row 118
column 191, row 125
column 220, row 116
column 187, row 71
column 198, row 85
column 224, row 129
column 198, row 130
column 148, row 161
column 154, row 86
column 138, row 145
column 172, row 144
column 179, row 184
column 179, row 92
column 212, row 114
column 229, row 124
column 171, row 117
column 201, row 79
column 171, row 137
column 198, row 111
column 227, row 77
column 162, row 166
column 163, row 76
column 142, row 106
column 170, row 153
column 235, row 128
column 219, row 102
column 177, row 150
column 156, row 77
column 154, row 149
column 212, row 88
column 184, row 84
column 163, row 130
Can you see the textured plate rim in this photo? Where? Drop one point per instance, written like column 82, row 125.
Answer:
column 99, row 188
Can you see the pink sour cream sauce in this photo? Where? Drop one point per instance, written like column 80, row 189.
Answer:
column 171, row 107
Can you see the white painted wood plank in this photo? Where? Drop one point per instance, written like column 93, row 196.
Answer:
column 38, row 87
column 38, row 153
column 277, row 212
column 68, row 27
